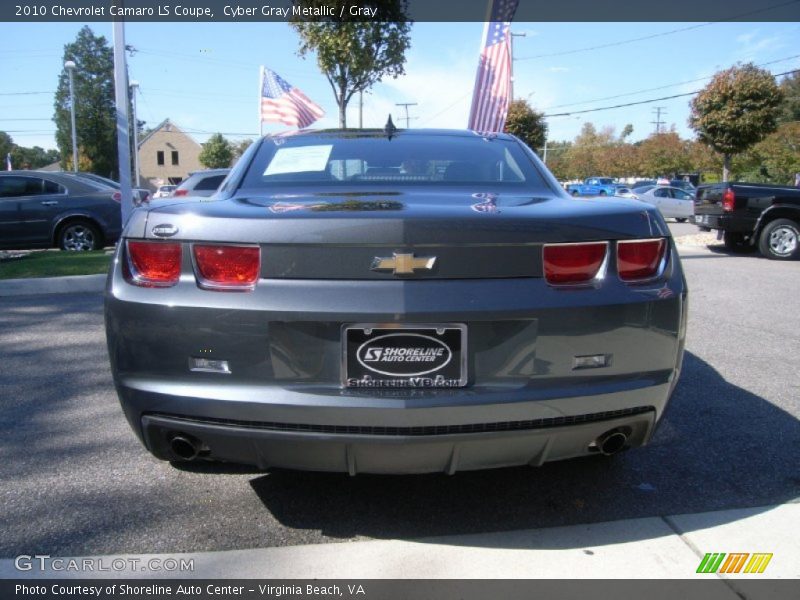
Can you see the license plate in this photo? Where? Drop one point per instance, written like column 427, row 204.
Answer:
column 701, row 219
column 404, row 356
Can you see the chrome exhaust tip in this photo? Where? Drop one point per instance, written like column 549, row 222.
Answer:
column 184, row 447
column 611, row 442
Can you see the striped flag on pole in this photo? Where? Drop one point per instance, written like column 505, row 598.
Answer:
column 282, row 103
column 8, row 162
column 493, row 80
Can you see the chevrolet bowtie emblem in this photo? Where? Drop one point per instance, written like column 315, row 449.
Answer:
column 403, row 264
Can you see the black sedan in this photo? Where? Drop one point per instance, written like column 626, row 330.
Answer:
column 394, row 302
column 44, row 210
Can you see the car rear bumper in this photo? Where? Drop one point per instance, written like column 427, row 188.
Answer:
column 267, row 445
column 724, row 222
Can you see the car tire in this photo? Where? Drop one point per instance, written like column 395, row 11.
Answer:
column 681, row 220
column 602, row 193
column 780, row 240
column 574, row 193
column 79, row 236
column 735, row 241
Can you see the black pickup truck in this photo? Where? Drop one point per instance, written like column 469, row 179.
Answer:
column 751, row 215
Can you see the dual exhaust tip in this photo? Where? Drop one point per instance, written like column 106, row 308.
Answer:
column 188, row 448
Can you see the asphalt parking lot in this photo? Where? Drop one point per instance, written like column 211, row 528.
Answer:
column 75, row 481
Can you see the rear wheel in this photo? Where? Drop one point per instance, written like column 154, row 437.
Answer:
column 603, row 193
column 681, row 220
column 779, row 240
column 574, row 192
column 736, row 241
column 79, row 236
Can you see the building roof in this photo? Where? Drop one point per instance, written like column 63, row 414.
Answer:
column 162, row 125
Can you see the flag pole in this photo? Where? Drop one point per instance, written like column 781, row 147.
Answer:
column 260, row 91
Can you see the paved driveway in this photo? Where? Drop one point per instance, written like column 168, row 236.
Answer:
column 74, row 480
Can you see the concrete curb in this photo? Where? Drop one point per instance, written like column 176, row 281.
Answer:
column 644, row 548
column 71, row 284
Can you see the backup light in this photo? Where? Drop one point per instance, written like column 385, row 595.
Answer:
column 227, row 267
column 639, row 259
column 153, row 264
column 573, row 263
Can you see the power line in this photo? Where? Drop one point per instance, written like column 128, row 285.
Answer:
column 23, row 93
column 660, row 87
column 656, row 35
column 589, row 110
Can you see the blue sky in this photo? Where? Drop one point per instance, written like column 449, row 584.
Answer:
column 204, row 76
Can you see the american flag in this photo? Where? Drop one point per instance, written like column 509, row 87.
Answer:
column 493, row 80
column 282, row 103
column 8, row 162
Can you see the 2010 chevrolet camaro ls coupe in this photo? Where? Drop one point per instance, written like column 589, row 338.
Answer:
column 394, row 302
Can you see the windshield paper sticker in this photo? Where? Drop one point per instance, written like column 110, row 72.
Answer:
column 296, row 160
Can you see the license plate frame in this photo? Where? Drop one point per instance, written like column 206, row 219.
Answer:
column 364, row 364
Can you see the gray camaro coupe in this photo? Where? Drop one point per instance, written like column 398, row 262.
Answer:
column 394, row 302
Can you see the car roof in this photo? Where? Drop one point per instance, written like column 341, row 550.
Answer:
column 210, row 172
column 67, row 179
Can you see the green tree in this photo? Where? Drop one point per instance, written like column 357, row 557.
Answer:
column 737, row 109
column 790, row 109
column 354, row 55
column 663, row 155
column 527, row 124
column 6, row 146
column 94, row 105
column 775, row 159
column 217, row 153
column 240, row 148
column 33, row 158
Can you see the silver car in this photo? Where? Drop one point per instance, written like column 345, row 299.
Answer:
column 672, row 202
column 394, row 302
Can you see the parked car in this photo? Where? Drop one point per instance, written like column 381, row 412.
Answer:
column 593, row 186
column 328, row 312
column 140, row 195
column 643, row 183
column 164, row 191
column 201, row 183
column 752, row 215
column 43, row 210
column 672, row 202
column 624, row 192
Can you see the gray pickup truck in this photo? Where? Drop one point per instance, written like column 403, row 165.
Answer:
column 752, row 215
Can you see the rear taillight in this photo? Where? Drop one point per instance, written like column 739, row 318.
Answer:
column 153, row 264
column 573, row 263
column 116, row 197
column 180, row 193
column 227, row 267
column 639, row 259
column 728, row 200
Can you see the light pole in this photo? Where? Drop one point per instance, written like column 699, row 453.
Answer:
column 70, row 67
column 134, row 89
column 511, row 44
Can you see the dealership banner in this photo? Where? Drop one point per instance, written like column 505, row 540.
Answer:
column 168, row 11
column 394, row 589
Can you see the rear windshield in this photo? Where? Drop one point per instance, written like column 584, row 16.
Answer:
column 403, row 160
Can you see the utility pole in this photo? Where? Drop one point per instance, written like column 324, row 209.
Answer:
column 134, row 89
column 70, row 67
column 658, row 110
column 406, row 105
column 361, row 109
column 123, row 138
column 511, row 50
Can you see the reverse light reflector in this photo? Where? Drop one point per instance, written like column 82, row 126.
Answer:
column 573, row 263
column 227, row 267
column 639, row 259
column 154, row 264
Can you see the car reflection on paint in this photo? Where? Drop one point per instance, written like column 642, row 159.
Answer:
column 333, row 309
